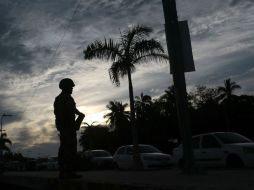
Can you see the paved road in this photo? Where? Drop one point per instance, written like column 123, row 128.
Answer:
column 219, row 179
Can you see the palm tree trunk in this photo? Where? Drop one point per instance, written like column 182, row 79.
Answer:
column 137, row 164
column 228, row 114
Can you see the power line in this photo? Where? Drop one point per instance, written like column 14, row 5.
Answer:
column 59, row 45
column 65, row 30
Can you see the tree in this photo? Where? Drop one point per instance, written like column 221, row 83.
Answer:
column 132, row 49
column 203, row 96
column 226, row 94
column 227, row 90
column 94, row 137
column 117, row 114
column 93, row 124
column 167, row 101
column 142, row 105
column 3, row 144
column 84, row 140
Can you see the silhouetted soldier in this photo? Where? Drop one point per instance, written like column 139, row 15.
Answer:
column 65, row 112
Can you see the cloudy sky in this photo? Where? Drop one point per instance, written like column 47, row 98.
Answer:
column 41, row 42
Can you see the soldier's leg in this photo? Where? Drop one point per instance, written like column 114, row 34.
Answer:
column 72, row 151
column 63, row 153
column 68, row 153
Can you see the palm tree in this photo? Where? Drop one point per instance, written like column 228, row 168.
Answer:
column 132, row 49
column 83, row 141
column 226, row 91
column 142, row 105
column 225, row 94
column 89, row 125
column 3, row 144
column 167, row 101
column 117, row 114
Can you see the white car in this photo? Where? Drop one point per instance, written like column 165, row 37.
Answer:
column 151, row 157
column 99, row 159
column 219, row 149
column 48, row 164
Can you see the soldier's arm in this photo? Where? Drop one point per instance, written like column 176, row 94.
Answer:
column 79, row 113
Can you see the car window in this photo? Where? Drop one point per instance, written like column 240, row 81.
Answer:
column 120, row 151
column 196, row 142
column 208, row 141
column 87, row 153
column 100, row 153
column 129, row 150
column 148, row 149
column 231, row 138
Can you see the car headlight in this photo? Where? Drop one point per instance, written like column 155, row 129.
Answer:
column 248, row 150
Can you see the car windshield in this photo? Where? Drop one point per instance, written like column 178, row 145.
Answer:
column 231, row 138
column 100, row 153
column 148, row 149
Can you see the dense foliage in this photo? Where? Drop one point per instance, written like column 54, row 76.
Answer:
column 211, row 109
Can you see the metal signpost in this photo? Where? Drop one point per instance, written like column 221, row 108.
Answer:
column 177, row 49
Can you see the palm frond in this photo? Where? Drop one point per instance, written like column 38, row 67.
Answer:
column 221, row 89
column 114, row 75
column 138, row 31
column 89, row 125
column 119, row 69
column 4, row 140
column 5, row 148
column 108, row 50
column 151, row 57
column 134, row 35
column 8, row 141
column 235, row 86
column 147, row 46
column 3, row 135
column 117, row 114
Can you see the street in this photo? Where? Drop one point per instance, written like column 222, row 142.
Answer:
column 221, row 179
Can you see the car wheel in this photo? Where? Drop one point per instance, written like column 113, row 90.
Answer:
column 115, row 166
column 95, row 166
column 234, row 161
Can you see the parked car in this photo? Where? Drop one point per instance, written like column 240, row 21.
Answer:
column 151, row 157
column 31, row 164
column 219, row 149
column 52, row 164
column 47, row 164
column 99, row 159
column 14, row 166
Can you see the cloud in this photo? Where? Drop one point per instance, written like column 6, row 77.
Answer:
column 238, row 2
column 42, row 42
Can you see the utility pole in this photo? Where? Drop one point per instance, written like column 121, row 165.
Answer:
column 3, row 115
column 175, row 51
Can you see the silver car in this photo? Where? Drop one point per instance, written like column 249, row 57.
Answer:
column 151, row 157
column 219, row 149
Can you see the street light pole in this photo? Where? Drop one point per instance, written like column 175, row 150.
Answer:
column 3, row 115
column 175, row 50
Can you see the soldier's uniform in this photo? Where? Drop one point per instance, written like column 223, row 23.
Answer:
column 64, row 109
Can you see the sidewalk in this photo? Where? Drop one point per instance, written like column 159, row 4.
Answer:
column 171, row 179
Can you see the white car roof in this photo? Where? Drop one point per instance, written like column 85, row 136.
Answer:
column 211, row 133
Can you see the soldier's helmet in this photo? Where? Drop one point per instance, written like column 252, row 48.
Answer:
column 66, row 83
